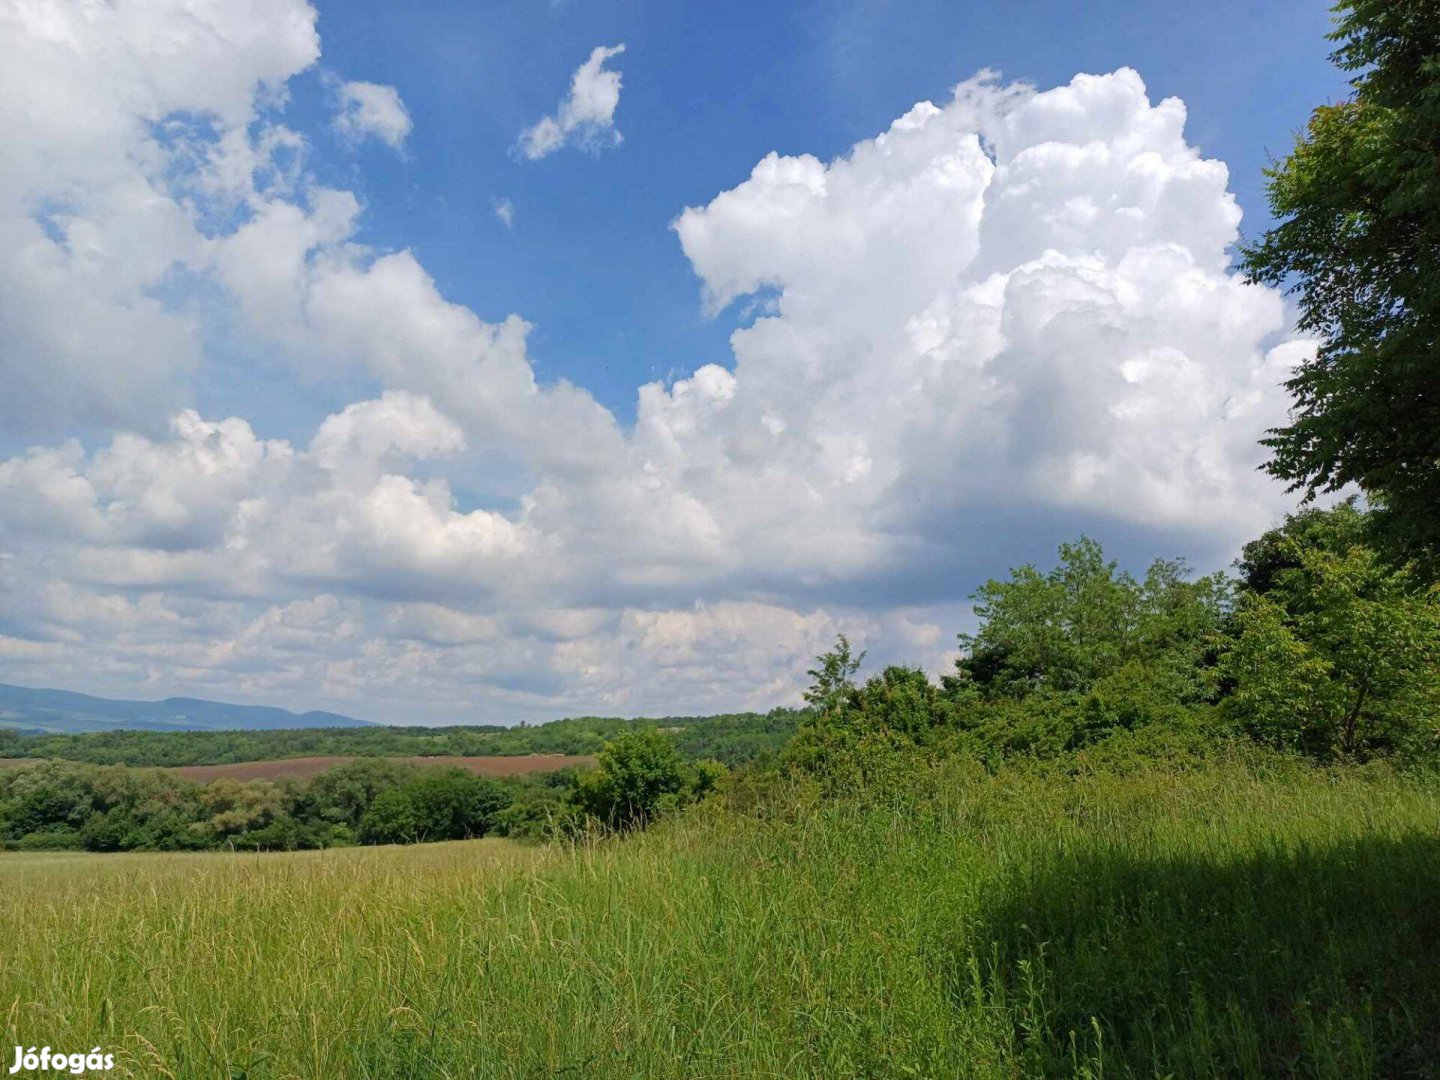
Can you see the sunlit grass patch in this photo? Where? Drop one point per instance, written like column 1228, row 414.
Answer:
column 1219, row 921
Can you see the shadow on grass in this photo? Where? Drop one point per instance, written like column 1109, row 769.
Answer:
column 1300, row 961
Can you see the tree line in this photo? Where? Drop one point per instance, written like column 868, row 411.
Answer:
column 59, row 805
column 1319, row 646
column 731, row 738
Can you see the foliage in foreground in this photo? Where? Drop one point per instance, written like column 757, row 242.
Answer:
column 1357, row 204
column 1319, row 646
column 1246, row 916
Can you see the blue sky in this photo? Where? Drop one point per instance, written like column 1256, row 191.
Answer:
column 767, row 350
column 709, row 90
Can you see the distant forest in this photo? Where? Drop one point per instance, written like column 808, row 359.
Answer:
column 733, row 738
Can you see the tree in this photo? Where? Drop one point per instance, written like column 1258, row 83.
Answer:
column 834, row 675
column 1271, row 561
column 391, row 819
column 50, row 795
column 1358, row 239
column 640, row 775
column 236, row 806
column 1083, row 621
column 452, row 804
column 852, row 744
column 1339, row 655
column 342, row 795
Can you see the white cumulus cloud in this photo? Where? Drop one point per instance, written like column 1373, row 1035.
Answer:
column 585, row 116
column 1007, row 317
column 369, row 109
column 96, row 101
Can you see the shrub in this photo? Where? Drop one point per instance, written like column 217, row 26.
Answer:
column 641, row 776
column 1341, row 656
column 390, row 819
column 451, row 804
column 56, row 839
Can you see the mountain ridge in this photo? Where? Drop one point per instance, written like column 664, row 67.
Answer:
column 43, row 709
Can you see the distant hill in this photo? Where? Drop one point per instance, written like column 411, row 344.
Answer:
column 732, row 738
column 65, row 712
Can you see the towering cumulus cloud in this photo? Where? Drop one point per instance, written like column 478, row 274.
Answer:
column 1015, row 308
column 1021, row 298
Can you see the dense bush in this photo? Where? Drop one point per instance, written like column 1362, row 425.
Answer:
column 1318, row 646
column 1333, row 651
column 641, row 776
column 55, row 805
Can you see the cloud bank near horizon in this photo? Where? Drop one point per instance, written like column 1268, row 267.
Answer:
column 1013, row 306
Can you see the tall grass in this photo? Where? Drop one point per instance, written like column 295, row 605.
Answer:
column 1230, row 921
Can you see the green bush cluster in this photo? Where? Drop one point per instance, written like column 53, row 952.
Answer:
column 59, row 805
column 641, row 776
column 1319, row 645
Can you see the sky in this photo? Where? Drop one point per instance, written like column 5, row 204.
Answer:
column 497, row 362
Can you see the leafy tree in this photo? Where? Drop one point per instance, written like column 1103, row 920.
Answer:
column 902, row 700
column 834, row 675
column 343, row 794
column 236, row 807
column 1266, row 563
column 853, row 743
column 1340, row 655
column 1358, row 239
column 50, row 795
column 640, row 775
column 110, row 831
column 1084, row 621
column 452, row 804
column 391, row 819
column 282, row 834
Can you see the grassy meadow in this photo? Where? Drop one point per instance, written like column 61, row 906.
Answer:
column 1254, row 917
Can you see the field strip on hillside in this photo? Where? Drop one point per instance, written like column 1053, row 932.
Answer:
column 307, row 767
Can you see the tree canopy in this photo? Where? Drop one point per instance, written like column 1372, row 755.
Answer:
column 1333, row 650
column 1357, row 239
column 1067, row 629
